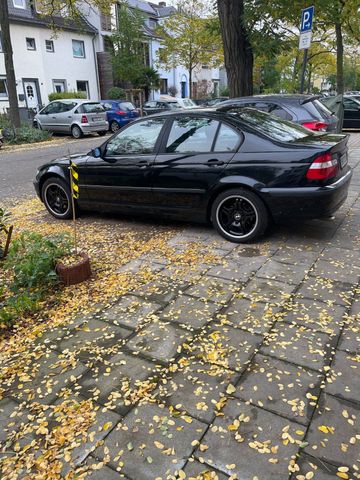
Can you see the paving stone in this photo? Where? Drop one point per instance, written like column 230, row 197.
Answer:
column 228, row 347
column 237, row 269
column 185, row 273
column 252, row 429
column 332, row 433
column 315, row 315
column 300, row 346
column 86, row 339
column 344, row 377
column 278, row 386
column 130, row 311
column 320, row 469
column 200, row 471
column 256, row 317
column 103, row 473
column 252, row 254
column 159, row 341
column 116, row 381
column 282, row 272
column 292, row 256
column 197, row 388
column 350, row 338
column 189, row 312
column 163, row 289
column 215, row 289
column 11, row 418
column 333, row 254
column 137, row 434
column 326, row 290
column 337, row 270
column 261, row 290
column 138, row 264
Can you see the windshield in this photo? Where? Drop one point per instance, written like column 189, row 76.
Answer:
column 92, row 108
column 174, row 105
column 270, row 125
column 187, row 102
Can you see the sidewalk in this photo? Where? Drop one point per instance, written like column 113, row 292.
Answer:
column 243, row 364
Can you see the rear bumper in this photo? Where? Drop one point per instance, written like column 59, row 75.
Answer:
column 307, row 202
column 94, row 128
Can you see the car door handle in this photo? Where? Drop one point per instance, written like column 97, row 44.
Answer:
column 143, row 163
column 215, row 162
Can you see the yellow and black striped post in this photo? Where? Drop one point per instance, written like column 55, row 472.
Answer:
column 74, row 185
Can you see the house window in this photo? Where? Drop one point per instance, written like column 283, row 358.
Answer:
column 30, row 43
column 19, row 3
column 146, row 51
column 105, row 22
column 59, row 86
column 3, row 88
column 49, row 45
column 83, row 86
column 163, row 85
column 78, row 49
column 1, row 48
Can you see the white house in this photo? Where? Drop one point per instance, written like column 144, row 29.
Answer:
column 46, row 61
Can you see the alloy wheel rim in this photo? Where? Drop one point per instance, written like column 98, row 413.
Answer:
column 237, row 216
column 76, row 132
column 57, row 199
column 115, row 127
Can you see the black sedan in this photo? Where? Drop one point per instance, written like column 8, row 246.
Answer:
column 239, row 169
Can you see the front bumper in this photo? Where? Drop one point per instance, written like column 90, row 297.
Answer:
column 307, row 202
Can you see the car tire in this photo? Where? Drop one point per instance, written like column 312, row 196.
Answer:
column 239, row 215
column 114, row 126
column 56, row 196
column 102, row 133
column 76, row 131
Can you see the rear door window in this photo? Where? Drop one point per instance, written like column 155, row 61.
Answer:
column 107, row 106
column 228, row 140
column 92, row 108
column 350, row 104
column 192, row 135
column 279, row 111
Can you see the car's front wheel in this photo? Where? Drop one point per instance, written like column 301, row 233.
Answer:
column 114, row 126
column 56, row 196
column 76, row 131
column 239, row 215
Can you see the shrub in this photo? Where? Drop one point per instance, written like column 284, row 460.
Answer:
column 116, row 93
column 173, row 91
column 31, row 267
column 63, row 95
column 4, row 121
column 28, row 134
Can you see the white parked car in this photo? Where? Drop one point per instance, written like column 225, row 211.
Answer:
column 183, row 102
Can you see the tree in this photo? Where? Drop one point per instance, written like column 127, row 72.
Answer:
column 187, row 39
column 238, row 53
column 147, row 79
column 9, row 64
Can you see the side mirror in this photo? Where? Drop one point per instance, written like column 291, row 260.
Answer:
column 96, row 152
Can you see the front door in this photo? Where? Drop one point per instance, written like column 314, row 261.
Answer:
column 121, row 179
column 32, row 99
column 351, row 113
column 190, row 161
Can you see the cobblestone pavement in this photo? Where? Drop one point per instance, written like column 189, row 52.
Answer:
column 244, row 368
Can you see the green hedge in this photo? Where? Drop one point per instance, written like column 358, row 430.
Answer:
column 63, row 95
column 116, row 93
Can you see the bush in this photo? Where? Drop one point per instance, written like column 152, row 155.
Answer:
column 28, row 134
column 63, row 95
column 116, row 93
column 4, row 121
column 31, row 267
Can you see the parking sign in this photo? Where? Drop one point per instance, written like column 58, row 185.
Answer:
column 307, row 16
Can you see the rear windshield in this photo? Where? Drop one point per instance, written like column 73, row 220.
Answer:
column 92, row 108
column 324, row 111
column 127, row 106
column 271, row 126
column 315, row 112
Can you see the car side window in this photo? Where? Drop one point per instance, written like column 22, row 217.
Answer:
column 350, row 104
column 53, row 108
column 191, row 135
column 264, row 107
column 66, row 107
column 150, row 105
column 107, row 106
column 140, row 138
column 279, row 112
column 228, row 140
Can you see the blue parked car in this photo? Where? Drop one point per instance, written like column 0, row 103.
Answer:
column 119, row 113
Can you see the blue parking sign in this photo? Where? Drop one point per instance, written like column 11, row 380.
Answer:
column 307, row 16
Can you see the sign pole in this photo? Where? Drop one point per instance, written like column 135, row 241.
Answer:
column 303, row 70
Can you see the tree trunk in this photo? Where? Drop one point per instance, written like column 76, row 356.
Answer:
column 9, row 64
column 339, row 59
column 190, row 82
column 237, row 48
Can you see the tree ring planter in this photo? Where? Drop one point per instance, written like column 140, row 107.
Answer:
column 76, row 273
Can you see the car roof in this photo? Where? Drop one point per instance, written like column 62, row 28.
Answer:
column 77, row 100
column 286, row 97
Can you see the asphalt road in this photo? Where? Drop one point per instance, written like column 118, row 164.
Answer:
column 18, row 167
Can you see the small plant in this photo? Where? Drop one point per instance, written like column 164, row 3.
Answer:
column 63, row 95
column 173, row 91
column 5, row 231
column 4, row 217
column 28, row 134
column 116, row 93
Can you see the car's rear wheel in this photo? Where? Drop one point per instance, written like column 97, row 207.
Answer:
column 57, row 198
column 239, row 215
column 76, row 131
column 114, row 126
column 102, row 133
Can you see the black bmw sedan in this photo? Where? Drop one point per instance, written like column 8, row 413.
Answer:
column 238, row 169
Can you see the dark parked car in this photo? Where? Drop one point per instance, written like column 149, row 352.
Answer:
column 351, row 106
column 306, row 110
column 119, row 113
column 238, row 169
column 158, row 107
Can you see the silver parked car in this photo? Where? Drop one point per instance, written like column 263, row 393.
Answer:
column 78, row 117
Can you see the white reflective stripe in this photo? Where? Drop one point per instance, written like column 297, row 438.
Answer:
column 320, row 165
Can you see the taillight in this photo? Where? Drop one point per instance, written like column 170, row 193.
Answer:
column 322, row 168
column 120, row 112
column 84, row 119
column 315, row 125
